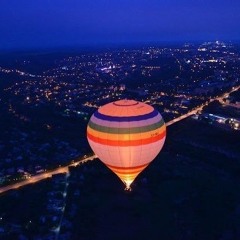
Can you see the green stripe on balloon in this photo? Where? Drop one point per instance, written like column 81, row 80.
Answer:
column 130, row 130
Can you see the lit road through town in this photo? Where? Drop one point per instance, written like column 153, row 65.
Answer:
column 194, row 111
column 42, row 176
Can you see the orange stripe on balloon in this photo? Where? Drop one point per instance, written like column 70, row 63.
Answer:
column 127, row 142
column 127, row 172
column 126, row 137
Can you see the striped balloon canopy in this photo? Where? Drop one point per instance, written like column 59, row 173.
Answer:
column 126, row 135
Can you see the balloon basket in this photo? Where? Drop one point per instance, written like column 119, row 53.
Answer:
column 128, row 189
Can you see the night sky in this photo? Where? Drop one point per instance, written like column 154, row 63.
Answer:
column 56, row 23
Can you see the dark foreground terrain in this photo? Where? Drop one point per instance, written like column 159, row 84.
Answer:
column 191, row 191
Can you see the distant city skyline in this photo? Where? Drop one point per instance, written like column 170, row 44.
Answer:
column 60, row 23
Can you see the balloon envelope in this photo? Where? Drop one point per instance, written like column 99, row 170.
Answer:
column 126, row 135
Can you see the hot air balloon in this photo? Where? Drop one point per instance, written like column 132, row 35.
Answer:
column 126, row 135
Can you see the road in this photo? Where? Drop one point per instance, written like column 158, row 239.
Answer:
column 39, row 177
column 194, row 111
column 184, row 116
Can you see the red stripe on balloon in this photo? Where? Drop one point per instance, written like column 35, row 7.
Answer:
column 127, row 142
column 127, row 168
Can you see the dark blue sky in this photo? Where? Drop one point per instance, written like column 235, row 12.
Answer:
column 54, row 23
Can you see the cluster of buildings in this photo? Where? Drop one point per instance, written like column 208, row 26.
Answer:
column 218, row 120
column 24, row 154
column 55, row 220
column 91, row 79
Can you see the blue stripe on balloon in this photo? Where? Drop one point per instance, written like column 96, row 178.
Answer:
column 101, row 116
